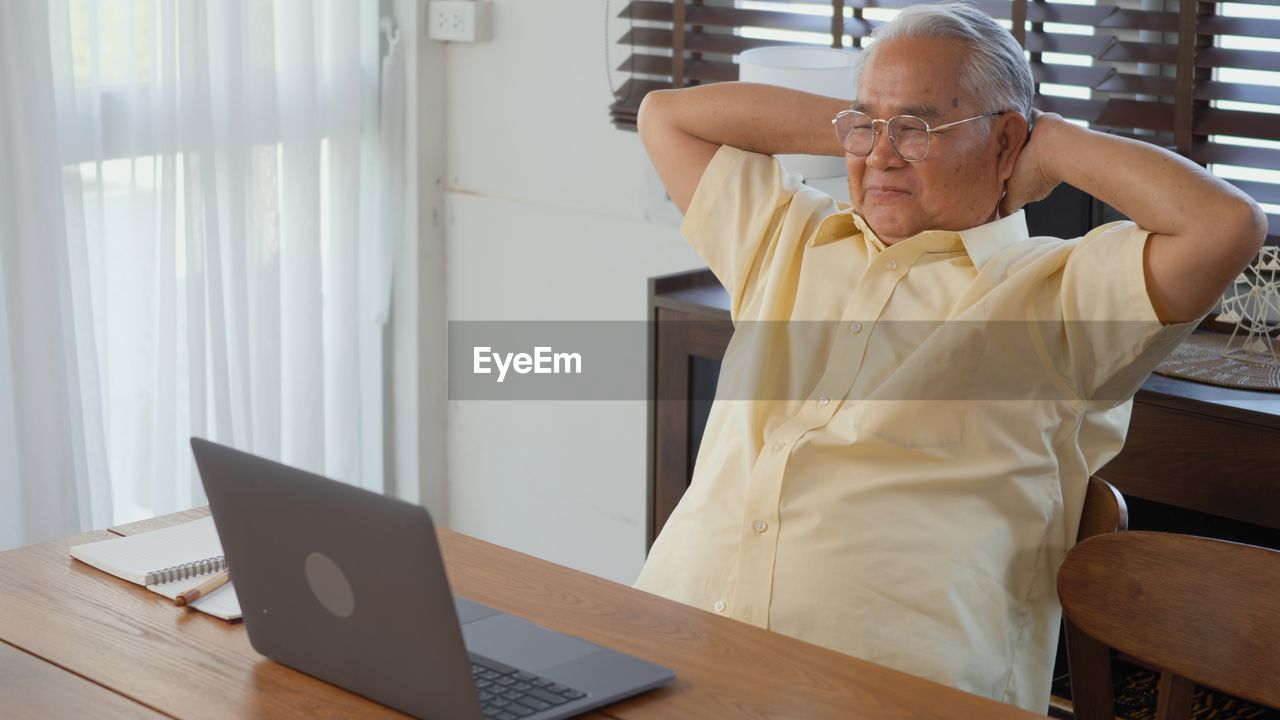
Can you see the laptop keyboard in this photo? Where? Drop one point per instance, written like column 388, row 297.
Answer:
column 507, row 693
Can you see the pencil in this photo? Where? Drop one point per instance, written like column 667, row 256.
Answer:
column 204, row 588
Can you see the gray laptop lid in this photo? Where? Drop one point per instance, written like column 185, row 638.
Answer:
column 348, row 585
column 306, row 551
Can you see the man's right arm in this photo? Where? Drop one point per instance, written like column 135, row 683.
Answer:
column 683, row 129
column 1203, row 230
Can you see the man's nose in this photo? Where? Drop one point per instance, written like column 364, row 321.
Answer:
column 882, row 155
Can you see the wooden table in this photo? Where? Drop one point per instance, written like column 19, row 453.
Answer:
column 78, row 642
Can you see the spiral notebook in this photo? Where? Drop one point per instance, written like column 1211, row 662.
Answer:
column 168, row 561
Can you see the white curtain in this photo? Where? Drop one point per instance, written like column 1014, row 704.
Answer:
column 52, row 444
column 219, row 258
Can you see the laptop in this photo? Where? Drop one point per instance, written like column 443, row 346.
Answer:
column 348, row 586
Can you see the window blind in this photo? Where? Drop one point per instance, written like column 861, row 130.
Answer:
column 1200, row 78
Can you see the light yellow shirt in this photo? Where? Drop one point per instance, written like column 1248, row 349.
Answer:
column 877, row 481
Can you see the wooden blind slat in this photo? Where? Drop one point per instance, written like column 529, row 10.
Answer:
column 1246, row 27
column 1136, row 114
column 709, row 70
column 729, row 44
column 1240, row 92
column 1113, row 112
column 1091, row 15
column 1246, row 59
column 734, row 17
column 1099, row 16
column 1138, row 84
column 1260, row 191
column 1213, row 152
column 1103, row 47
column 1122, row 19
column 999, row 9
column 1140, row 53
column 699, row 42
column 718, row 16
column 647, row 37
column 1217, row 121
column 1110, row 17
column 648, row 11
column 647, row 64
column 1091, row 45
column 1069, row 107
column 1092, row 77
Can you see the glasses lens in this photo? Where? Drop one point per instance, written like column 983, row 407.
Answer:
column 910, row 137
column 855, row 132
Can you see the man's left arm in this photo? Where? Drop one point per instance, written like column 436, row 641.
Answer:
column 1203, row 230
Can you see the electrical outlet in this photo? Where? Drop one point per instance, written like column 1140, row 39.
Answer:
column 459, row 20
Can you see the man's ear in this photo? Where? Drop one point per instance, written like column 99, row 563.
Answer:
column 1011, row 136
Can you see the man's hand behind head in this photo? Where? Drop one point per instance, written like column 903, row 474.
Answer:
column 1032, row 178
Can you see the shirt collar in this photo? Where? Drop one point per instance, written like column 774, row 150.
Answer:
column 981, row 243
column 986, row 241
column 838, row 226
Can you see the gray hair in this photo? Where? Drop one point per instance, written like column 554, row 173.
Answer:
column 996, row 71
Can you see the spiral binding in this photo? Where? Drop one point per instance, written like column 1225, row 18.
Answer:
column 187, row 570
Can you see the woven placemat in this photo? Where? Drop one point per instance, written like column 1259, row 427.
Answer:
column 1199, row 358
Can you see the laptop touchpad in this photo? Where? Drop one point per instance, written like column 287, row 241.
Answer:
column 522, row 644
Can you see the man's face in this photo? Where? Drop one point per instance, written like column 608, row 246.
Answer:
column 959, row 183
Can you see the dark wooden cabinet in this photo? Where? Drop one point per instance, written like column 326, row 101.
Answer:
column 1214, row 452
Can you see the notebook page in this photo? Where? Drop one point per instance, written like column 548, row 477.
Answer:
column 132, row 557
column 221, row 603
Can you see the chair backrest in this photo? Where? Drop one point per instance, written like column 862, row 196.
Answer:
column 1204, row 611
column 1104, row 510
column 1089, row 661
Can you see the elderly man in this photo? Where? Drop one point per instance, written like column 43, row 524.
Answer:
column 866, row 497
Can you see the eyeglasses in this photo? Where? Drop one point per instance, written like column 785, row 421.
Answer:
column 909, row 135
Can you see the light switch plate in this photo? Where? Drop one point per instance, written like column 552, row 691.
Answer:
column 459, row 20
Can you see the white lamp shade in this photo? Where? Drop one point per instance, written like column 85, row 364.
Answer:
column 825, row 71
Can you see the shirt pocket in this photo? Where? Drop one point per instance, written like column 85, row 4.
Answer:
column 927, row 398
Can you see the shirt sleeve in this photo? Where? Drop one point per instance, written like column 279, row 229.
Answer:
column 1113, row 337
column 736, row 211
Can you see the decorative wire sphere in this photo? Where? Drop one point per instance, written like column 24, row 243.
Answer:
column 1253, row 305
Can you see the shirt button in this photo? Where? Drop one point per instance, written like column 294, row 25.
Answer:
column 760, row 526
column 892, row 265
column 778, row 446
column 719, row 606
column 855, row 327
column 823, row 400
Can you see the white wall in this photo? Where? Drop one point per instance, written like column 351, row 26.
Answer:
column 545, row 220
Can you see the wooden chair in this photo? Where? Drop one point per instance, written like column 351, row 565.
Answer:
column 1204, row 611
column 1089, row 661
